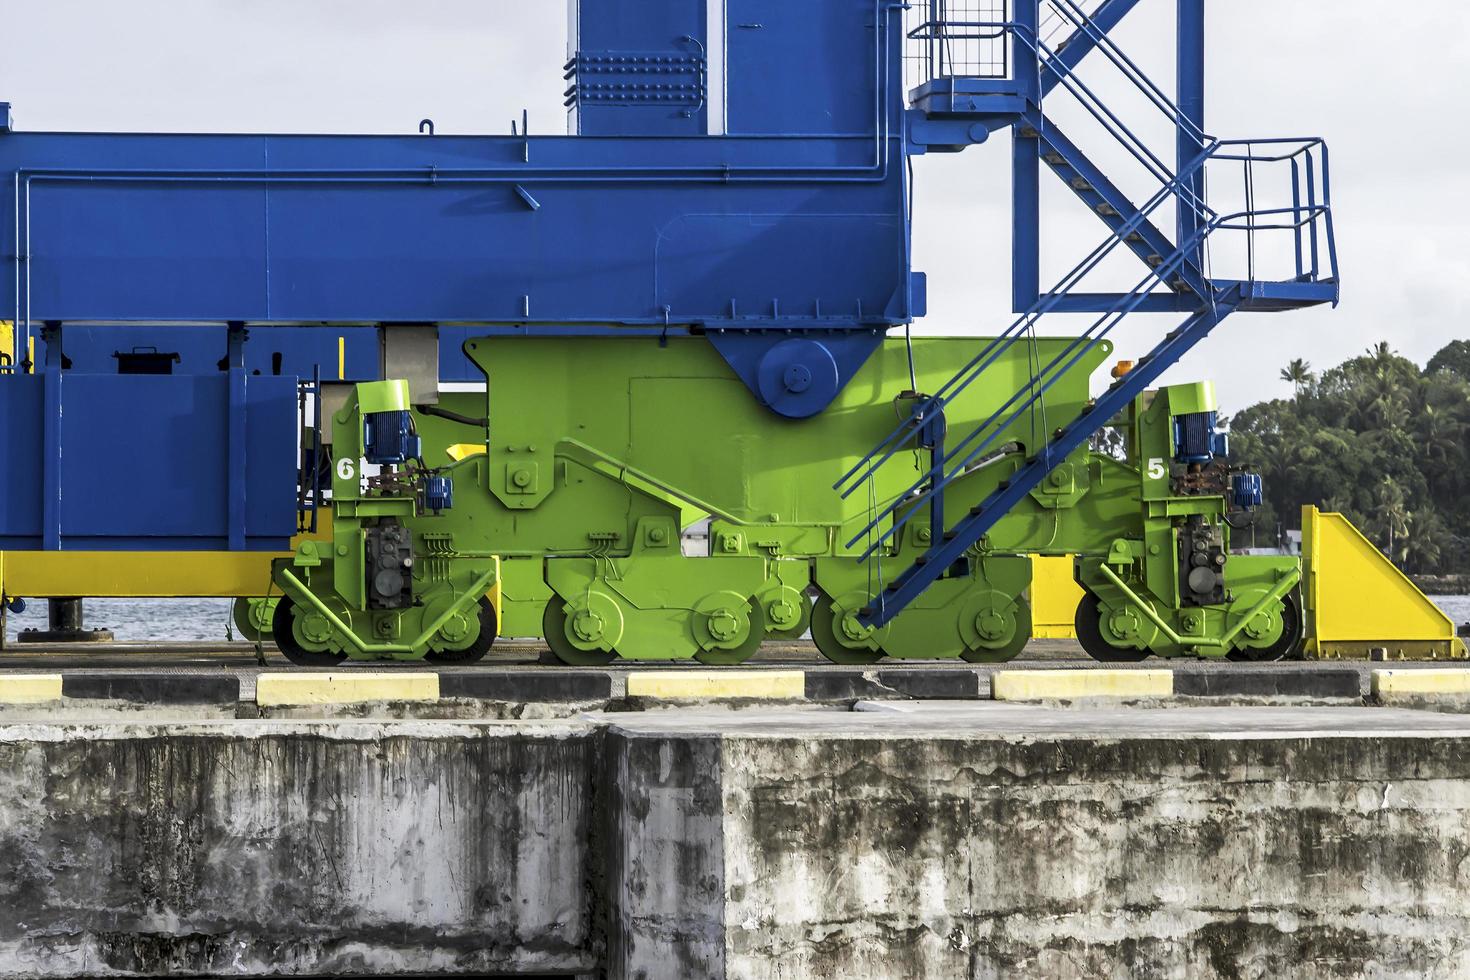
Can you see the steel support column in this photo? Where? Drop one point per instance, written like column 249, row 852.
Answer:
column 1191, row 100
column 1026, row 166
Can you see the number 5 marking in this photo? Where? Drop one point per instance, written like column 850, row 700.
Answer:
column 1156, row 469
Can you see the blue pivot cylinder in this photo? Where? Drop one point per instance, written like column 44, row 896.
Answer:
column 796, row 377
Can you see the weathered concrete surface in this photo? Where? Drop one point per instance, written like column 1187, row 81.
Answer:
column 1003, row 841
column 906, row 840
column 279, row 847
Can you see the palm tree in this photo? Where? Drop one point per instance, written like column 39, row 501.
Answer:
column 1392, row 520
column 1299, row 373
column 1381, row 352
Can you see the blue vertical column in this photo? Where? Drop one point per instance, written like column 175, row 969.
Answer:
column 235, row 439
column 1026, row 163
column 51, row 440
column 1191, row 99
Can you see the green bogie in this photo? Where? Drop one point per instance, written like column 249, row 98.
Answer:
column 656, row 604
column 452, row 618
column 584, row 501
column 977, row 614
column 1121, row 619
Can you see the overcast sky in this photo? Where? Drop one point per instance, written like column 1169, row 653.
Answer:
column 1385, row 90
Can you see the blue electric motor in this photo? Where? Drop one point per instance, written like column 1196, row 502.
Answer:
column 1196, row 438
column 438, row 493
column 389, row 438
column 1245, row 491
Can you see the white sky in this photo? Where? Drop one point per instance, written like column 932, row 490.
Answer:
column 1385, row 87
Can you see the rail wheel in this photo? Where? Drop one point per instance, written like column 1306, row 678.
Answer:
column 788, row 614
column 827, row 619
column 283, row 629
column 478, row 647
column 1287, row 645
column 554, row 629
column 729, row 656
column 1088, row 623
column 1015, row 635
column 253, row 618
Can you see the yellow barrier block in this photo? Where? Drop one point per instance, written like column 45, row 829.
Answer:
column 1388, row 683
column 345, row 688
column 1055, row 596
column 1042, row 685
column 703, row 684
column 30, row 688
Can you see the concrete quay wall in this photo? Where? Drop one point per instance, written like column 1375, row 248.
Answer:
column 245, row 848
column 950, row 842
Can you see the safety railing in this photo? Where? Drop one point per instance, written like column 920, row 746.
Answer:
column 1302, row 229
column 956, row 38
column 972, row 38
column 947, row 43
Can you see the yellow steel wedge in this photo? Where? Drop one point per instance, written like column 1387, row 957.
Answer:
column 1357, row 600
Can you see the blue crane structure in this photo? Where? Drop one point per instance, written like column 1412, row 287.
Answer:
column 739, row 169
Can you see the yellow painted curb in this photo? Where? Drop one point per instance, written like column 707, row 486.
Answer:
column 30, row 688
column 717, row 684
column 277, row 689
column 1039, row 685
column 1387, row 683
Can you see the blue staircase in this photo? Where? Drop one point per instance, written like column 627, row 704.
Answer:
column 1010, row 91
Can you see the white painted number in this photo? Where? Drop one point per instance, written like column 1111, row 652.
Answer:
column 1156, row 470
column 346, row 468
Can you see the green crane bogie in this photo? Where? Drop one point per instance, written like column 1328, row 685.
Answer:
column 572, row 498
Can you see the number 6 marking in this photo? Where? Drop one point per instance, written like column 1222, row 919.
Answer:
column 346, row 468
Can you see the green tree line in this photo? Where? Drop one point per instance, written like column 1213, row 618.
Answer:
column 1375, row 438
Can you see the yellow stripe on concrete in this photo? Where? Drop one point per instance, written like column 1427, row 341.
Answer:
column 345, row 688
column 1388, row 683
column 697, row 684
column 30, row 688
column 1040, row 685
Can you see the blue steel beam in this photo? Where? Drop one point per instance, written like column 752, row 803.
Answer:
column 401, row 229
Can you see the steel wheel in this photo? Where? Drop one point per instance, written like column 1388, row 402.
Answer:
column 1288, row 645
column 1012, row 647
column 283, row 631
column 253, row 618
column 824, row 635
column 718, row 657
column 475, row 651
column 554, row 630
column 1088, row 623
